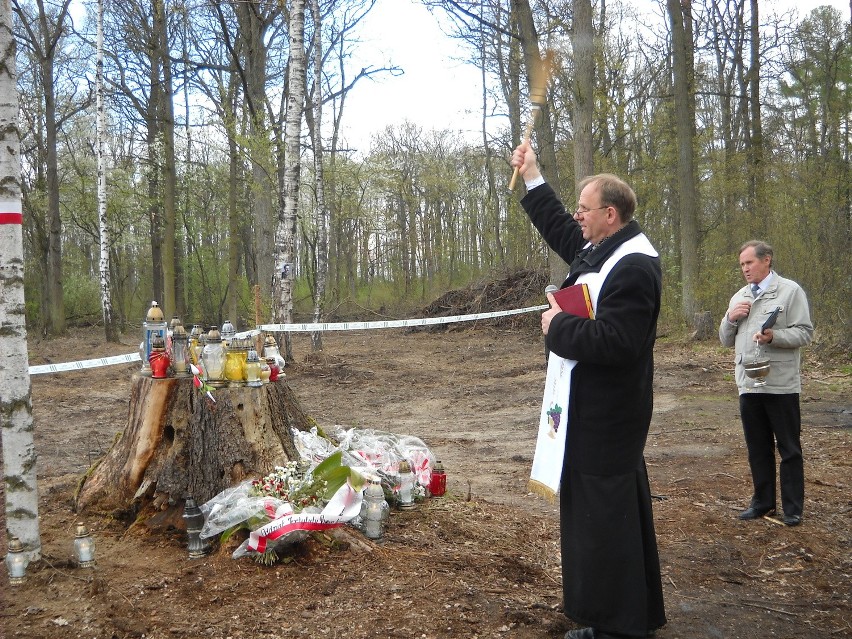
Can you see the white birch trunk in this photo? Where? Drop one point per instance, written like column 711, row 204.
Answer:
column 16, row 419
column 321, row 210
column 285, row 233
column 105, row 230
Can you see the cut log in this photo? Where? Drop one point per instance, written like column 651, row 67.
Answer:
column 179, row 443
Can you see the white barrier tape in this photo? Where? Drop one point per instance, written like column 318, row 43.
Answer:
column 84, row 364
column 428, row 321
column 296, row 328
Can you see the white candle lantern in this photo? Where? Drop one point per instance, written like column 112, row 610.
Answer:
column 16, row 562
column 374, row 510
column 84, row 547
column 406, row 486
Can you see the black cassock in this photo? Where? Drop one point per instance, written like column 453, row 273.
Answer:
column 610, row 566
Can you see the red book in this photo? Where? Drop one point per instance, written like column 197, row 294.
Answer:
column 575, row 300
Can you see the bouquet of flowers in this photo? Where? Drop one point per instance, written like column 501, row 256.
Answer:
column 285, row 506
column 373, row 452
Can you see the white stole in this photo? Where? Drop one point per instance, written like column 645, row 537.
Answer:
column 546, row 471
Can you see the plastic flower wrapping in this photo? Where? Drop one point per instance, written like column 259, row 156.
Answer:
column 285, row 506
column 372, row 452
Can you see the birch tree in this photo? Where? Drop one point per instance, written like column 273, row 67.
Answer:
column 110, row 327
column 16, row 414
column 285, row 232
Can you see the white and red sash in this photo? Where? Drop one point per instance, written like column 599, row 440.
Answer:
column 342, row 507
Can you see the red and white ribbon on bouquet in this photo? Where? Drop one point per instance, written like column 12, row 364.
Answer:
column 343, row 506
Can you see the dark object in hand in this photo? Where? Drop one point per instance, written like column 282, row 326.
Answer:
column 770, row 321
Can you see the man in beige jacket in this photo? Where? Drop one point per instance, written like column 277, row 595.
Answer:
column 770, row 413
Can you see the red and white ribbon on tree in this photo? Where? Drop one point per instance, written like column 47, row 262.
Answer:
column 10, row 212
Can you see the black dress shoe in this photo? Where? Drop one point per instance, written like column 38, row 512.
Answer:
column 791, row 520
column 591, row 633
column 755, row 513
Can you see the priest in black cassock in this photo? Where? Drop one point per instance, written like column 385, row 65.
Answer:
column 610, row 564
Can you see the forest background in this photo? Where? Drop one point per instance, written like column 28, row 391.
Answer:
column 225, row 172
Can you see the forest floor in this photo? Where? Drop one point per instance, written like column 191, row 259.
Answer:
column 482, row 561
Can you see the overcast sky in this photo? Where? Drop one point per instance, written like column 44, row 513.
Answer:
column 436, row 92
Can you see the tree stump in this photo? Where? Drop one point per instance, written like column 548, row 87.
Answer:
column 179, row 443
column 703, row 324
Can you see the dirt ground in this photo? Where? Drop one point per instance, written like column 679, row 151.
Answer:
column 481, row 562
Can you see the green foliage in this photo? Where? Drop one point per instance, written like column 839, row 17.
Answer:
column 82, row 299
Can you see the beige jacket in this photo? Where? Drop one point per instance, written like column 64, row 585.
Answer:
column 793, row 329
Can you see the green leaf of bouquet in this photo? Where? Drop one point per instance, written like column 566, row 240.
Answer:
column 228, row 533
column 335, row 478
column 327, row 464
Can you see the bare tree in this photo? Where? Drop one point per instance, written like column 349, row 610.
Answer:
column 757, row 174
column 321, row 220
column 163, row 62
column 583, row 45
column 110, row 327
column 680, row 14
column 42, row 33
column 285, row 232
column 532, row 56
column 16, row 411
column 254, row 21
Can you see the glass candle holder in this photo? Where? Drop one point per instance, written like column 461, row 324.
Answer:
column 194, row 345
column 154, row 326
column 252, row 369
column 179, row 355
column 406, row 486
column 84, row 547
column 438, row 482
column 227, row 332
column 196, row 545
column 374, row 510
column 213, row 359
column 16, row 562
column 159, row 359
column 235, row 363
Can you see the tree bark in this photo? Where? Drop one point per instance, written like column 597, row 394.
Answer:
column 704, row 327
column 110, row 325
column 20, row 487
column 583, row 46
column 680, row 13
column 285, row 233
column 171, row 305
column 179, row 443
column 322, row 221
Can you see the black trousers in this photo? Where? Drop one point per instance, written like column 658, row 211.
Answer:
column 770, row 421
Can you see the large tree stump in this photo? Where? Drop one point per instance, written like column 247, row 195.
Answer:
column 178, row 443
